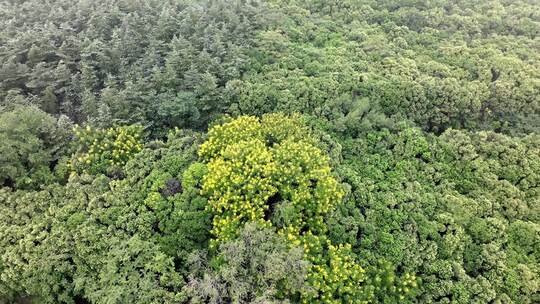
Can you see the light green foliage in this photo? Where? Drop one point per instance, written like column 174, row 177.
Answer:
column 446, row 208
column 358, row 64
column 104, row 241
column 31, row 142
column 105, row 150
column 71, row 247
column 38, row 230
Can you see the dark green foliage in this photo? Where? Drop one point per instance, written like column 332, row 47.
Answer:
column 163, row 183
column 158, row 63
column 182, row 63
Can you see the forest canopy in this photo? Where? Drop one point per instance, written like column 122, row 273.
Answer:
column 269, row 151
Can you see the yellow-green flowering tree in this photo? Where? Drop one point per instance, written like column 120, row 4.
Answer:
column 104, row 150
column 271, row 172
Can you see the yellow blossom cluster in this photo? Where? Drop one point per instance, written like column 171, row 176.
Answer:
column 238, row 185
column 251, row 160
column 335, row 276
column 101, row 149
column 221, row 136
column 271, row 128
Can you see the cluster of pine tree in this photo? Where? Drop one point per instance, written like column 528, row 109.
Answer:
column 269, row 151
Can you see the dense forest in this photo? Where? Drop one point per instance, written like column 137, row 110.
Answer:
column 269, row 151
